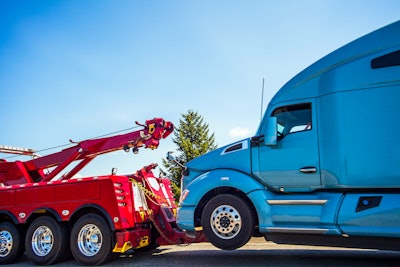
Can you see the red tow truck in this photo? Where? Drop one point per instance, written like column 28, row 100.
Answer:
column 50, row 215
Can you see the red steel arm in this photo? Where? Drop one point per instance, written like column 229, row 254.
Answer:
column 148, row 137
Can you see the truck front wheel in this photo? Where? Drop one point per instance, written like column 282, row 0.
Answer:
column 91, row 240
column 227, row 222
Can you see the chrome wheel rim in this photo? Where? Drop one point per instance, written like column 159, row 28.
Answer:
column 90, row 240
column 42, row 241
column 6, row 243
column 225, row 222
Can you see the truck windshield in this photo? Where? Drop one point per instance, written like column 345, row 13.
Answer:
column 293, row 119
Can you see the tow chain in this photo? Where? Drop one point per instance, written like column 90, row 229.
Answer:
column 146, row 191
column 149, row 194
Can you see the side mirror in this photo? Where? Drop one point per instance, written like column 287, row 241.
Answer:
column 170, row 157
column 271, row 136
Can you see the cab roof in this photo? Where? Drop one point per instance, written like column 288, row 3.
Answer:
column 307, row 83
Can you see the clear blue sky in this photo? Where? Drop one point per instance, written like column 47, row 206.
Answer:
column 78, row 69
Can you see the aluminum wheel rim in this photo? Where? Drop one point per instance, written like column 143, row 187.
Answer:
column 42, row 241
column 90, row 240
column 6, row 243
column 226, row 222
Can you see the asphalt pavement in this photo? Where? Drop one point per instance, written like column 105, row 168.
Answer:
column 257, row 252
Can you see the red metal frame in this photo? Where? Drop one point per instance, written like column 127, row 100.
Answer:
column 33, row 170
column 163, row 209
column 131, row 204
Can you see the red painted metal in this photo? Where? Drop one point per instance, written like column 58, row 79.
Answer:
column 162, row 209
column 133, row 205
column 149, row 137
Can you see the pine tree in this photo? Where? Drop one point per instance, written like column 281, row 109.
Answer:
column 193, row 139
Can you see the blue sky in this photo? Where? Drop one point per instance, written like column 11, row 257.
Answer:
column 79, row 69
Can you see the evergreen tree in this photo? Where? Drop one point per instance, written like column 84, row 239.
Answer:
column 192, row 139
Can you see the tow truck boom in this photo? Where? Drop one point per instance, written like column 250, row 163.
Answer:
column 33, row 170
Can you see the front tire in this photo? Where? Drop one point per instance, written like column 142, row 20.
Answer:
column 46, row 241
column 227, row 221
column 11, row 243
column 91, row 240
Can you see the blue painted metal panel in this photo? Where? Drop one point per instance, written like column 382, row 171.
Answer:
column 359, row 142
column 279, row 165
column 185, row 217
column 219, row 178
column 206, row 182
column 381, row 219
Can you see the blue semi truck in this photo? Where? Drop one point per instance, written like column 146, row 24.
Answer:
column 324, row 165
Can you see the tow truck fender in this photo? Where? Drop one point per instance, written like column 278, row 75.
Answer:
column 41, row 210
column 97, row 209
column 8, row 214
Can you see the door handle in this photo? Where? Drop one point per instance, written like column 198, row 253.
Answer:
column 308, row 169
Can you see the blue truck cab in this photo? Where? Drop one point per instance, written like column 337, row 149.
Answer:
column 324, row 165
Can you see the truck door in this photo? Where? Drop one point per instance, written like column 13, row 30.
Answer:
column 292, row 164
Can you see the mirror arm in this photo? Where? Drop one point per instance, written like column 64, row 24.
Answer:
column 170, row 157
column 256, row 140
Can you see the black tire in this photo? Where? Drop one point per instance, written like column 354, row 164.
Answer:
column 46, row 241
column 227, row 221
column 11, row 243
column 91, row 240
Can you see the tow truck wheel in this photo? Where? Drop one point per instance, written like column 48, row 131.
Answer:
column 46, row 241
column 227, row 222
column 11, row 243
column 91, row 240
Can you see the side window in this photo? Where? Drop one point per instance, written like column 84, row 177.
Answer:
column 388, row 60
column 293, row 119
